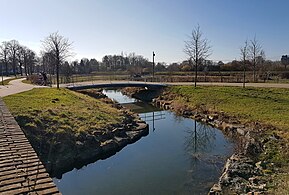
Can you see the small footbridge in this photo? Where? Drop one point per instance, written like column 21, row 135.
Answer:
column 150, row 90
column 146, row 85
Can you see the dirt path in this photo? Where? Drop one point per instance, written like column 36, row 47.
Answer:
column 16, row 86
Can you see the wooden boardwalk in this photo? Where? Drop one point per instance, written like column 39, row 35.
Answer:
column 21, row 171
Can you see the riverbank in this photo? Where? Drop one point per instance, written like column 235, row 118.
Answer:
column 257, row 120
column 69, row 129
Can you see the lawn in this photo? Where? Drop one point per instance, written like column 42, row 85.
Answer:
column 58, row 110
column 266, row 105
column 62, row 124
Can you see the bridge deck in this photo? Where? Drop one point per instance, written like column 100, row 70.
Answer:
column 21, row 171
column 118, row 85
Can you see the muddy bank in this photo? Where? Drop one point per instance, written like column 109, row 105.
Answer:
column 63, row 153
column 243, row 172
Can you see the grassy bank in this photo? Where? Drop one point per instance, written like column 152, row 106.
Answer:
column 268, row 107
column 60, row 110
column 63, row 126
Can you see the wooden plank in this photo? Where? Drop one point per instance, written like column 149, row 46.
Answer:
column 21, row 171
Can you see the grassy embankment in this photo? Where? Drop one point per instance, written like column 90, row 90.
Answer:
column 66, row 109
column 59, row 119
column 268, row 106
column 264, row 105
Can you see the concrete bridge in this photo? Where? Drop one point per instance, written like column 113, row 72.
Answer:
column 150, row 86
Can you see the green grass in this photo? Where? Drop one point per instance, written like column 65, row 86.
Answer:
column 58, row 111
column 57, row 121
column 268, row 106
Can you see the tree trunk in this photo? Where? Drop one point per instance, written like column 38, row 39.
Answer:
column 14, row 68
column 6, row 68
column 57, row 75
column 254, row 74
column 196, row 73
column 25, row 68
column 57, row 70
column 20, row 68
column 244, row 76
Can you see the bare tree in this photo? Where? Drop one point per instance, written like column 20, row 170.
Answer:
column 13, row 48
column 244, row 56
column 4, row 56
column 48, row 62
column 197, row 48
column 30, row 59
column 60, row 48
column 255, row 50
column 26, row 59
column 20, row 58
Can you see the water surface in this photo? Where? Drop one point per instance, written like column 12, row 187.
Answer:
column 179, row 156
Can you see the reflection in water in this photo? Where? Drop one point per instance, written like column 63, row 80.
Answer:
column 146, row 111
column 198, row 145
column 179, row 156
column 199, row 138
column 152, row 117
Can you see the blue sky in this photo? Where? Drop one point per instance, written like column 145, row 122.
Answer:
column 99, row 27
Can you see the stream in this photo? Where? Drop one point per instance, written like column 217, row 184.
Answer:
column 178, row 156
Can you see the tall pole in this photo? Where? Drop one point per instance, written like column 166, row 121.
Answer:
column 153, row 65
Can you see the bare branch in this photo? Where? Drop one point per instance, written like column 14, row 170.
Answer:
column 59, row 47
column 244, row 56
column 255, row 50
column 197, row 48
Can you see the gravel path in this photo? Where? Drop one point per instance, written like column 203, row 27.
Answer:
column 16, row 86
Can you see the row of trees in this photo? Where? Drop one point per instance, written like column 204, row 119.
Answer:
column 16, row 58
column 252, row 54
column 131, row 62
column 26, row 62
